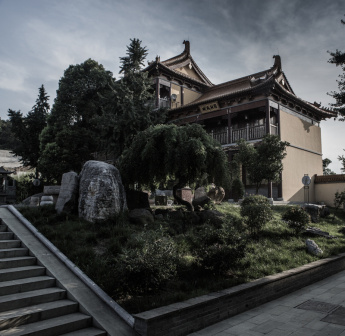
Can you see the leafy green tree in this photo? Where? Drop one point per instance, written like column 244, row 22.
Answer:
column 72, row 135
column 338, row 58
column 8, row 139
column 341, row 158
column 263, row 162
column 129, row 105
column 28, row 129
column 184, row 154
column 325, row 163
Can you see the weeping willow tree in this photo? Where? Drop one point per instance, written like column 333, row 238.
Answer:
column 183, row 154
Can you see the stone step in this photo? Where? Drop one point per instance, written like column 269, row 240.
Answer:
column 6, row 235
column 3, row 227
column 26, row 285
column 14, row 252
column 9, row 274
column 53, row 327
column 17, row 262
column 6, row 244
column 40, row 312
column 86, row 332
column 20, row 300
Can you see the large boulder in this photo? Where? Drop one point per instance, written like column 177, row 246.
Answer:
column 142, row 217
column 68, row 196
column 216, row 194
column 201, row 201
column 137, row 199
column 101, row 193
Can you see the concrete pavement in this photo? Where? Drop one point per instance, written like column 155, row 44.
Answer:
column 315, row 310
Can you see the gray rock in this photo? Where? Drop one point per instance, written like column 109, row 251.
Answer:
column 201, row 201
column 313, row 248
column 47, row 200
column 315, row 211
column 141, row 216
column 51, row 190
column 34, row 201
column 199, row 192
column 216, row 194
column 101, row 193
column 319, row 232
column 68, row 196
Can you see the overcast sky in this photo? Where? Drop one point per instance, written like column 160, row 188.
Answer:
column 229, row 39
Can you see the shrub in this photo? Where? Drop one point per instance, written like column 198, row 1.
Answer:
column 218, row 249
column 237, row 188
column 256, row 211
column 297, row 218
column 148, row 266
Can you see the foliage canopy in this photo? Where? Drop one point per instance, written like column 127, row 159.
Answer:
column 263, row 162
column 338, row 58
column 71, row 135
column 169, row 152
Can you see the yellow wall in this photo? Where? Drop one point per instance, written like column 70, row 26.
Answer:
column 176, row 89
column 189, row 96
column 299, row 161
column 324, row 192
column 189, row 72
column 300, row 133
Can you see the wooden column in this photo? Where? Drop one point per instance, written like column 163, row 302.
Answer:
column 268, row 131
column 157, row 92
column 229, row 126
column 268, row 118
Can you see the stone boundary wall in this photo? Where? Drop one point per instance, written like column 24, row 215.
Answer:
column 189, row 316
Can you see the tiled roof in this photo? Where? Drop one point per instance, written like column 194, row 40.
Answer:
column 179, row 61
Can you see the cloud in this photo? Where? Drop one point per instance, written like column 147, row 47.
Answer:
column 12, row 76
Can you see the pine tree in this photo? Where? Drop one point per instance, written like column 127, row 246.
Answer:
column 129, row 106
column 338, row 58
column 135, row 59
column 28, row 129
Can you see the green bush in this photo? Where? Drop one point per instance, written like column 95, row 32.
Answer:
column 148, row 266
column 237, row 189
column 217, row 250
column 256, row 211
column 297, row 219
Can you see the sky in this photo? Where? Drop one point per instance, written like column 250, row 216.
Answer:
column 229, row 39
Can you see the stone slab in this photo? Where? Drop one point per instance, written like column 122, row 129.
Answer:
column 318, row 306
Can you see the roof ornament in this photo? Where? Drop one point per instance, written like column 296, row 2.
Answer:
column 277, row 62
column 187, row 47
column 158, row 59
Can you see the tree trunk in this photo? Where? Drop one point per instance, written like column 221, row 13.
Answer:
column 177, row 186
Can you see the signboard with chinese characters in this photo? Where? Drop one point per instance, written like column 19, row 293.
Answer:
column 209, row 107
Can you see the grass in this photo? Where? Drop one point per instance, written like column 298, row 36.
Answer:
column 96, row 248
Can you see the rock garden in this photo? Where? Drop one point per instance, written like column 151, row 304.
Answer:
column 166, row 254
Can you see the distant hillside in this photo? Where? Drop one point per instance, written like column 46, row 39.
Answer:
column 7, row 160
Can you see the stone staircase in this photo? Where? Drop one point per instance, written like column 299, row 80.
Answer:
column 31, row 302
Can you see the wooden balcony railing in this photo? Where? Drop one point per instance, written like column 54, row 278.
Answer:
column 247, row 133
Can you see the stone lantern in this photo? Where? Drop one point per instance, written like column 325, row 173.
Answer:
column 4, row 188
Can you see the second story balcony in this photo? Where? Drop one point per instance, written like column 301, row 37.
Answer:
column 231, row 135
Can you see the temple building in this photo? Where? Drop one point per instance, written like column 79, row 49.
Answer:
column 248, row 108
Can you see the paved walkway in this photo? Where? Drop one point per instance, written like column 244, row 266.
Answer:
column 315, row 310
